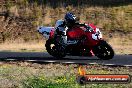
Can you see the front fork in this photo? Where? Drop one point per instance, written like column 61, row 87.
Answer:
column 64, row 37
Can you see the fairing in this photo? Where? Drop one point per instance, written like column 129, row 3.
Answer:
column 47, row 32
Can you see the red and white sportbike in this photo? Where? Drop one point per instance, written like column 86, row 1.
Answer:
column 78, row 41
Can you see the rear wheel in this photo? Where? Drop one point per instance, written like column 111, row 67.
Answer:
column 55, row 50
column 103, row 51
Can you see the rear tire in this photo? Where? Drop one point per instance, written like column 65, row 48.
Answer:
column 103, row 51
column 54, row 50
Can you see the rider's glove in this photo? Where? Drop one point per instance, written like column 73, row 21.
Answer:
column 88, row 28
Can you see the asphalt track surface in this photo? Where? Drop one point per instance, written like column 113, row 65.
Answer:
column 43, row 57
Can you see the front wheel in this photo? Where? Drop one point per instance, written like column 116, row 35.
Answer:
column 103, row 51
column 55, row 50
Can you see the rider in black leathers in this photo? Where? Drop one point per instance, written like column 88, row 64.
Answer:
column 70, row 20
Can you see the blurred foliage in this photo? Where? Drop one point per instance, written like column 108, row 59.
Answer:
column 26, row 15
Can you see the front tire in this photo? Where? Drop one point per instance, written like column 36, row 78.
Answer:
column 55, row 50
column 103, row 50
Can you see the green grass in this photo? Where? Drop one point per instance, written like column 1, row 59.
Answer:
column 50, row 82
column 62, row 82
column 33, row 75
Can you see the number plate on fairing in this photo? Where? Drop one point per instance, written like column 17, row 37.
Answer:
column 97, row 35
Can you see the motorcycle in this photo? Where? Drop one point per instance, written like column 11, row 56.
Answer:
column 78, row 41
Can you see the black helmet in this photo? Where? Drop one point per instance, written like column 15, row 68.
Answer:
column 70, row 18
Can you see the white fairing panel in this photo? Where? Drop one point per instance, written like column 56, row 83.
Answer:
column 97, row 35
column 59, row 22
column 45, row 31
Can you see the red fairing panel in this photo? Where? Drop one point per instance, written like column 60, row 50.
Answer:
column 75, row 33
column 93, row 26
column 90, row 41
column 52, row 33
